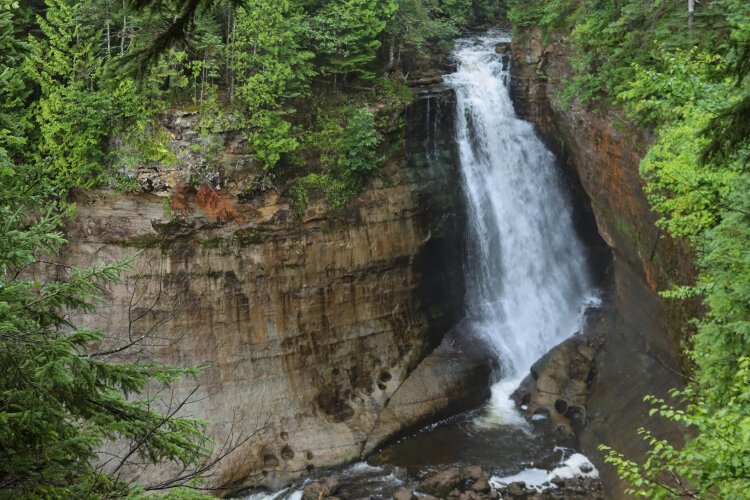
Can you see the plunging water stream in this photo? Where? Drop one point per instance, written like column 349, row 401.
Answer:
column 527, row 278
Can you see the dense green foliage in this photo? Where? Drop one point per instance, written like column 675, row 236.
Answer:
column 60, row 399
column 348, row 160
column 301, row 80
column 612, row 38
column 253, row 67
column 688, row 80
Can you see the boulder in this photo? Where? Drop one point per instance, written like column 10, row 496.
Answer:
column 474, row 473
column 465, row 483
column 323, row 488
column 455, row 377
column 481, row 486
column 516, row 490
column 557, row 387
column 403, row 494
column 442, row 483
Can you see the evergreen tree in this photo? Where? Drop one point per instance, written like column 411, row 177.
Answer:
column 346, row 34
column 270, row 68
column 60, row 399
column 64, row 66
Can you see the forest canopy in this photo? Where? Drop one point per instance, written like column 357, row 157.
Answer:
column 296, row 78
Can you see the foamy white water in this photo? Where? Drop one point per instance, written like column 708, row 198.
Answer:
column 576, row 465
column 528, row 284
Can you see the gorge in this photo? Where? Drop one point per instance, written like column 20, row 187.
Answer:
column 330, row 335
column 307, row 249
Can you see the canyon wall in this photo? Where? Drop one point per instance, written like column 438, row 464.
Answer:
column 306, row 325
column 602, row 151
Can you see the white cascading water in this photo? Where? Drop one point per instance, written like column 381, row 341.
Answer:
column 528, row 283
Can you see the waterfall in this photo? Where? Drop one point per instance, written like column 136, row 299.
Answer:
column 528, row 284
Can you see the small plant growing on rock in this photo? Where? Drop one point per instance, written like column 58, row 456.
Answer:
column 216, row 206
column 166, row 206
column 180, row 203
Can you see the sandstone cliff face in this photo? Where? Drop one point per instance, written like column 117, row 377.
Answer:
column 307, row 325
column 639, row 354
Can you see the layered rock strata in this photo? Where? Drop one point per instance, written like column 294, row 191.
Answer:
column 306, row 326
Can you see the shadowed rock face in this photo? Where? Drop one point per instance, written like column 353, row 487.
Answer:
column 639, row 352
column 454, row 377
column 307, row 325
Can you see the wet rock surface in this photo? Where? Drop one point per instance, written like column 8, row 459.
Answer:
column 455, row 377
column 464, row 482
column 556, row 392
column 323, row 488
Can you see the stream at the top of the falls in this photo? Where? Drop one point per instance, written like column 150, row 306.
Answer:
column 528, row 282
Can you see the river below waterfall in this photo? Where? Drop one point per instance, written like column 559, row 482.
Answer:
column 528, row 285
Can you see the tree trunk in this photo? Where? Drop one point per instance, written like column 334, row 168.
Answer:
column 691, row 14
column 230, row 54
column 123, row 35
column 109, row 35
column 124, row 28
column 391, row 56
column 204, row 75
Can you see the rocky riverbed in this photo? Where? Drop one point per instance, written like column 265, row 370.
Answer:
column 574, row 478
